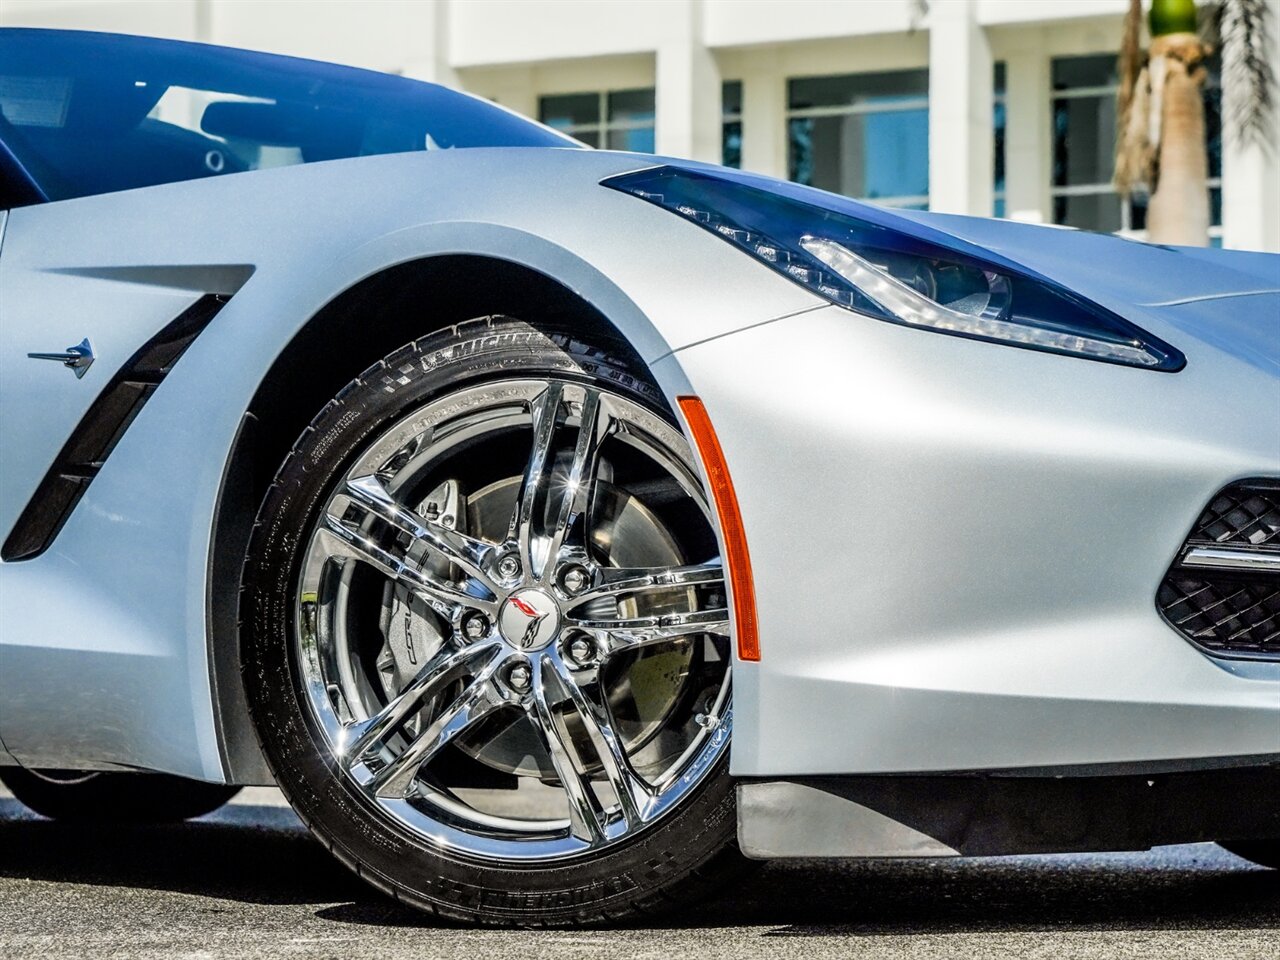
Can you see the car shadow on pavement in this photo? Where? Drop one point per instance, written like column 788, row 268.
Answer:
column 244, row 853
column 1006, row 895
column 263, row 855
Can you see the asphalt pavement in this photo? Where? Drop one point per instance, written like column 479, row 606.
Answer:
column 250, row 882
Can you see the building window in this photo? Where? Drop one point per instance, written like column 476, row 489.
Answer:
column 614, row 119
column 999, row 124
column 864, row 135
column 731, row 124
column 1084, row 147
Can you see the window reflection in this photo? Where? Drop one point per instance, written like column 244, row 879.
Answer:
column 614, row 119
column 863, row 135
column 1000, row 120
column 731, row 124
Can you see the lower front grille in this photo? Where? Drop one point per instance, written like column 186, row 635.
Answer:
column 1246, row 514
column 1223, row 591
column 1224, row 616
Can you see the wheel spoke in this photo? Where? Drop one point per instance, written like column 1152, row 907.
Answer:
column 587, row 818
column 625, row 633
column 359, row 738
column 477, row 701
column 468, row 553
column 634, row 795
column 576, row 496
column 537, row 474
column 345, row 539
column 618, row 581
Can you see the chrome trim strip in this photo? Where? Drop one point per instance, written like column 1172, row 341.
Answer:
column 1233, row 559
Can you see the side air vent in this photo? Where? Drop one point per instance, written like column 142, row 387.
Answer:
column 1223, row 591
column 101, row 428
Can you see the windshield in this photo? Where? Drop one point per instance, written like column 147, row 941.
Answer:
column 89, row 113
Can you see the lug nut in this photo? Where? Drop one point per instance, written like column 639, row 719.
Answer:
column 509, row 568
column 575, row 580
column 582, row 650
column 475, row 626
column 519, row 677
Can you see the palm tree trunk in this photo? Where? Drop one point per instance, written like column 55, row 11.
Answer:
column 1179, row 209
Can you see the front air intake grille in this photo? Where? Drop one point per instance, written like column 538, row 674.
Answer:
column 1223, row 590
column 1244, row 515
column 1223, row 616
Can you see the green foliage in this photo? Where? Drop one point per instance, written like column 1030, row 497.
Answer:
column 1172, row 16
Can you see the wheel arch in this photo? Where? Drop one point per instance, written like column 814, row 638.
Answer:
column 387, row 308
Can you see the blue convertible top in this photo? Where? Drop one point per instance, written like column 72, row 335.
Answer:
column 88, row 113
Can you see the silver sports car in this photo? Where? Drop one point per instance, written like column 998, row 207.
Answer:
column 561, row 528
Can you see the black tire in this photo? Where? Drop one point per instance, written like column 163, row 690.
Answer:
column 1265, row 853
column 684, row 855
column 114, row 797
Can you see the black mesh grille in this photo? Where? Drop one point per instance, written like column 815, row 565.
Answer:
column 1244, row 515
column 1229, row 611
column 1226, row 616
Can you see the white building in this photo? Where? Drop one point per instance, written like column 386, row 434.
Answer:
column 1001, row 107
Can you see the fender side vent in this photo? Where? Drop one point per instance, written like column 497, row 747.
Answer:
column 101, row 428
column 1223, row 591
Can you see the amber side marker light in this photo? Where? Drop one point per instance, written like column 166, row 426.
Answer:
column 735, row 538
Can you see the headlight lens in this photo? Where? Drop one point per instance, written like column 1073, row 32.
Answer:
column 884, row 272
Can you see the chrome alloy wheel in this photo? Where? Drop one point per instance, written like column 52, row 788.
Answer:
column 518, row 584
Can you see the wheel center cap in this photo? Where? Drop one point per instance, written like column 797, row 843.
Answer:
column 529, row 619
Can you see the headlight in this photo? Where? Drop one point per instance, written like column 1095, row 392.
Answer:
column 883, row 271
